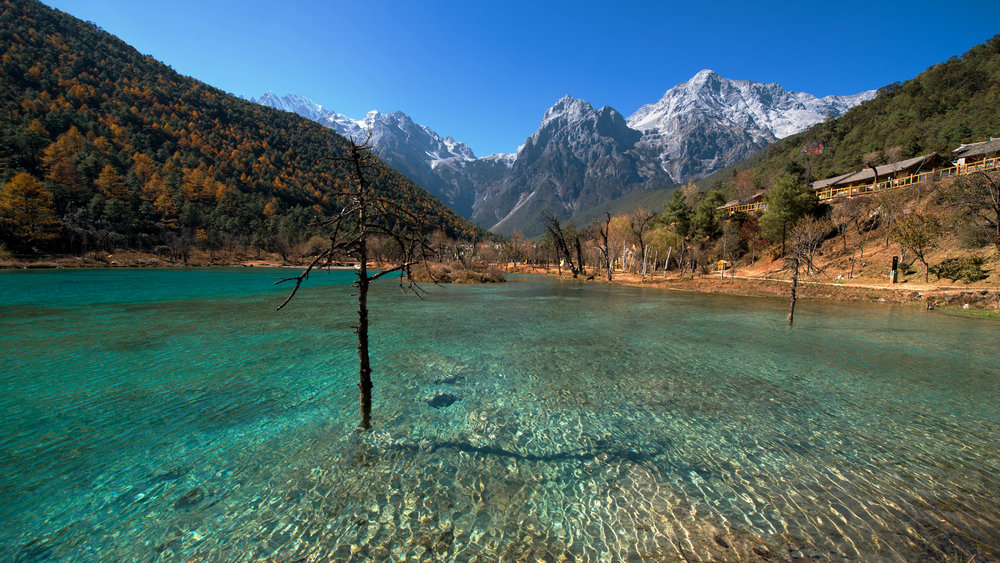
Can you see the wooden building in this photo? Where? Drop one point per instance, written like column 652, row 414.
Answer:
column 977, row 152
column 755, row 203
column 887, row 176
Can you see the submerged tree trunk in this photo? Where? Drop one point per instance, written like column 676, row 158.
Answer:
column 366, row 215
column 364, row 363
column 795, row 286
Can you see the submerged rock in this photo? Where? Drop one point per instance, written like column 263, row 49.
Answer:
column 441, row 400
column 190, row 498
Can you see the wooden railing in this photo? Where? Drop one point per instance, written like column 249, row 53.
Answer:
column 747, row 207
column 986, row 164
column 832, row 192
column 950, row 172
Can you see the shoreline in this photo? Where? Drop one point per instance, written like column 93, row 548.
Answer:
column 973, row 300
column 981, row 299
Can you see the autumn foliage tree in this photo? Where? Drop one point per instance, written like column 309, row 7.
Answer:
column 136, row 155
column 26, row 211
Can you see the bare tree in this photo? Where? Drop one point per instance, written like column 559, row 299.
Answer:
column 891, row 204
column 639, row 222
column 918, row 232
column 565, row 240
column 743, row 186
column 603, row 230
column 367, row 215
column 806, row 236
column 894, row 154
column 842, row 216
column 809, row 233
column 976, row 199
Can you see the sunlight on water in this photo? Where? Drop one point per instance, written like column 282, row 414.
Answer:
column 169, row 415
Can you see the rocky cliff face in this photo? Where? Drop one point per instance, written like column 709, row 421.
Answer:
column 578, row 158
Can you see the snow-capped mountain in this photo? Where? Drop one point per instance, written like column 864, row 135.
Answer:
column 579, row 157
column 708, row 122
column 413, row 149
column 295, row 104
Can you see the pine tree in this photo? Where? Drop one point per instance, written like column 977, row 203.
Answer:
column 787, row 202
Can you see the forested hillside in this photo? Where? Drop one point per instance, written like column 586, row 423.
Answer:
column 102, row 147
column 954, row 102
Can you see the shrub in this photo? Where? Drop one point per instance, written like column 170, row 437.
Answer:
column 968, row 269
column 313, row 246
column 453, row 273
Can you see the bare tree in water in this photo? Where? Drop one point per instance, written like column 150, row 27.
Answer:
column 806, row 236
column 364, row 216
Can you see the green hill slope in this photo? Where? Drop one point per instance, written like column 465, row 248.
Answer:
column 135, row 155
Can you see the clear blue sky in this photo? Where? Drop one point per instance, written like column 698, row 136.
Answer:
column 485, row 72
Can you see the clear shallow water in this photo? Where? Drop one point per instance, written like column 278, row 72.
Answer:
column 168, row 415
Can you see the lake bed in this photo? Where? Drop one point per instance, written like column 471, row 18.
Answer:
column 167, row 414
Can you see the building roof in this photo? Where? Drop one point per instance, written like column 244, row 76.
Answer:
column 978, row 149
column 753, row 199
column 820, row 184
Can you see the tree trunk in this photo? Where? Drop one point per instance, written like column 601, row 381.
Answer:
column 680, row 261
column 666, row 265
column 579, row 256
column 795, row 286
column 365, row 383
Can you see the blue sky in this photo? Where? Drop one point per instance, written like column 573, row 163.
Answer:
column 485, row 72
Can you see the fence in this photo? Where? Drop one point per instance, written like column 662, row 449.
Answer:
column 950, row 172
column 893, row 183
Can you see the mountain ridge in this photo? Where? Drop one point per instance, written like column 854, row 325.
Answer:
column 582, row 156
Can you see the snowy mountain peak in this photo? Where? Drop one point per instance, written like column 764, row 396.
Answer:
column 567, row 109
column 413, row 149
column 764, row 110
column 293, row 103
column 703, row 76
column 730, row 118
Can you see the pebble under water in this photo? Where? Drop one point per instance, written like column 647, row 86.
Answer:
column 174, row 415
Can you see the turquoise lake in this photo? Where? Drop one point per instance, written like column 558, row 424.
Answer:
column 174, row 415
